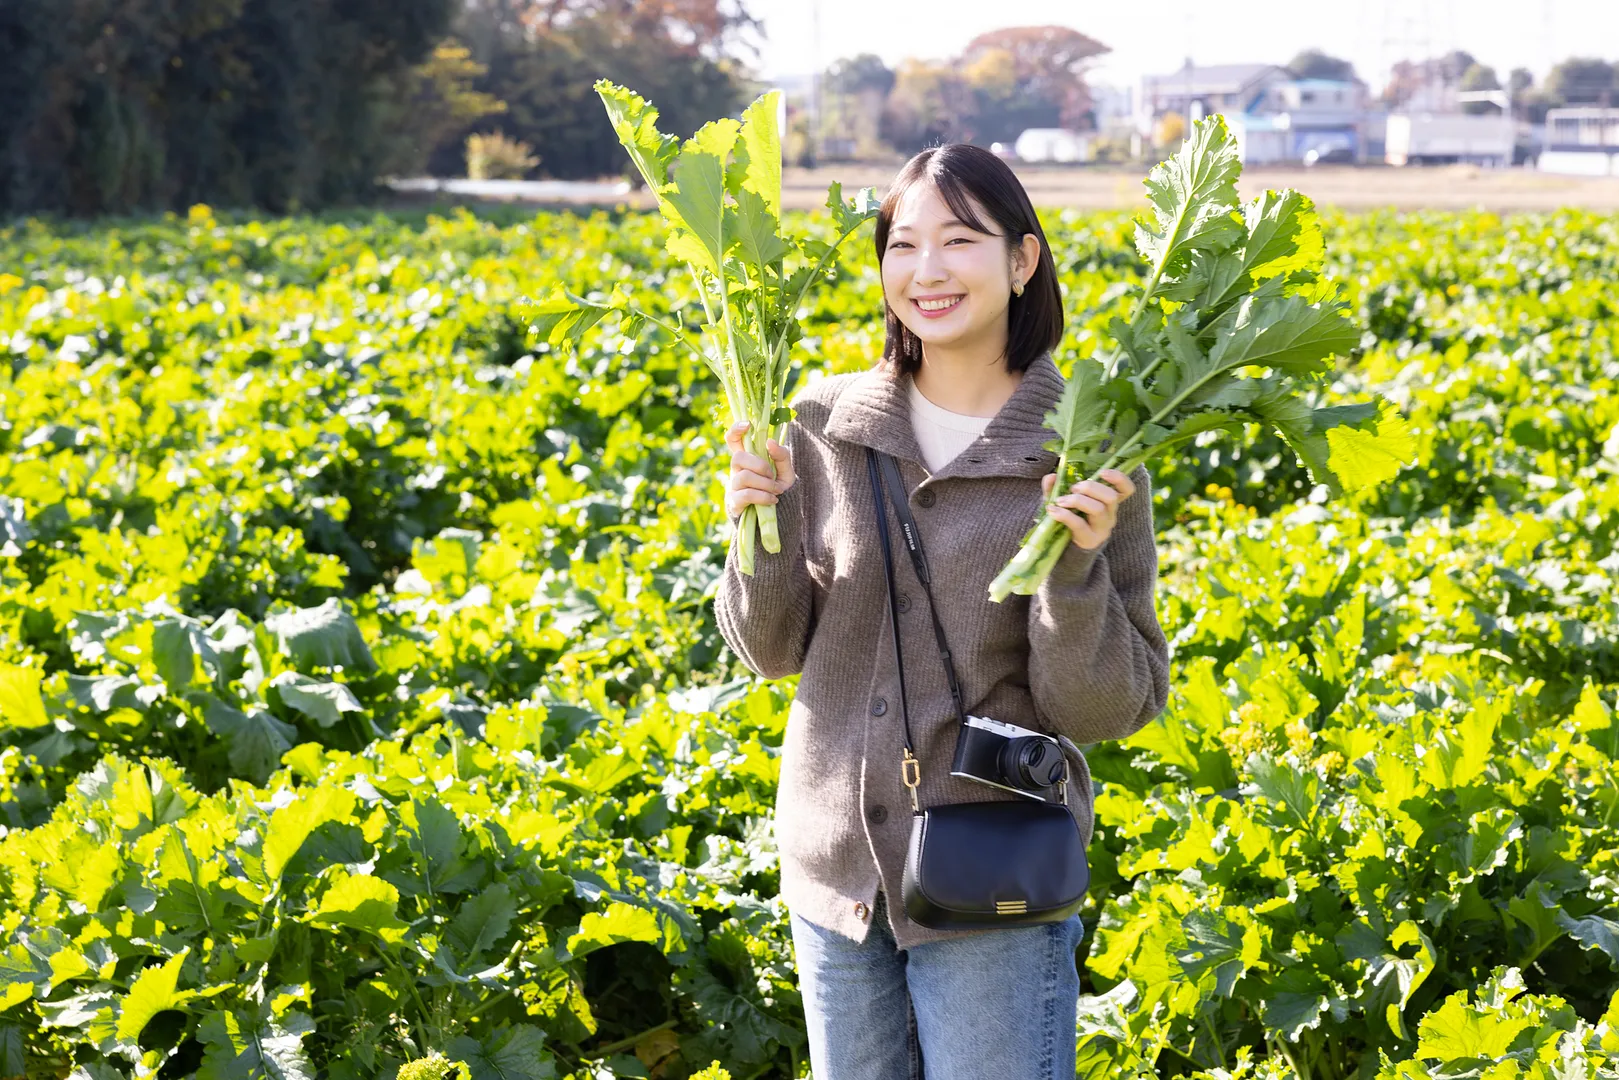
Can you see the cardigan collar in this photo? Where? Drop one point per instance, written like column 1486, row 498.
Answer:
column 875, row 410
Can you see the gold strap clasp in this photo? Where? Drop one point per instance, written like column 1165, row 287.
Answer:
column 911, row 773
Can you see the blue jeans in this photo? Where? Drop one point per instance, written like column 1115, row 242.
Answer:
column 990, row 1005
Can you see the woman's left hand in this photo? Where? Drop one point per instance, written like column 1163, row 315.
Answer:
column 1098, row 502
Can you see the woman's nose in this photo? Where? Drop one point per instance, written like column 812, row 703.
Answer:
column 929, row 264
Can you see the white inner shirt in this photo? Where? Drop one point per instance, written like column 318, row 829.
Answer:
column 940, row 433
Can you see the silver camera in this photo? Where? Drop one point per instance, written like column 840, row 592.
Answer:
column 1008, row 757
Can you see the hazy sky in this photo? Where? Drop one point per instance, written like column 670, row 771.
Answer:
column 1156, row 36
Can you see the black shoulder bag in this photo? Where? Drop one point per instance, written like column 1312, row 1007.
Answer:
column 974, row 866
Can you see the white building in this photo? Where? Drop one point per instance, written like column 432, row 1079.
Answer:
column 1582, row 142
column 1054, row 145
column 1273, row 116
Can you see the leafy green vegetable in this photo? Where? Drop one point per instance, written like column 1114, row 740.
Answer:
column 720, row 196
column 1228, row 295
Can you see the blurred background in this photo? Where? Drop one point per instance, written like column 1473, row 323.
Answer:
column 121, row 106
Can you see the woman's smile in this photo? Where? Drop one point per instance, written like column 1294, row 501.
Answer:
column 935, row 308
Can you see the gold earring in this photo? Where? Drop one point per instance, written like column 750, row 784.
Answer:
column 1017, row 288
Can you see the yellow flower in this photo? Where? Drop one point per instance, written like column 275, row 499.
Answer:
column 9, row 282
column 200, row 214
column 1299, row 737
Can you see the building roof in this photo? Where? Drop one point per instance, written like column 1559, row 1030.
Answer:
column 1213, row 79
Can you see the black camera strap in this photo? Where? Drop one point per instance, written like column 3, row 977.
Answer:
column 913, row 543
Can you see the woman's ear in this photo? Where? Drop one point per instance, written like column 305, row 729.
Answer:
column 1027, row 257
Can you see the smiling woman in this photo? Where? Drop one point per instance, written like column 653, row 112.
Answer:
column 952, row 414
column 970, row 277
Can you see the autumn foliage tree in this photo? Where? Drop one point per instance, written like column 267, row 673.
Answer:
column 1048, row 65
column 543, row 56
column 1004, row 82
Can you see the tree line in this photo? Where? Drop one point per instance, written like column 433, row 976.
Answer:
column 125, row 106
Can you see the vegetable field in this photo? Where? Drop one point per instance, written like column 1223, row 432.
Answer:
column 362, row 699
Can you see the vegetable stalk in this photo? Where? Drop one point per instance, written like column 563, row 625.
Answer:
column 720, row 194
column 1233, row 325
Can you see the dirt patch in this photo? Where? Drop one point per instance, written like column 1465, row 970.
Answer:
column 1450, row 187
column 1454, row 187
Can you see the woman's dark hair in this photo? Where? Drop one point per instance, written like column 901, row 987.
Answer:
column 962, row 173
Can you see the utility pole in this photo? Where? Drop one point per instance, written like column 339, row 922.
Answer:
column 815, row 83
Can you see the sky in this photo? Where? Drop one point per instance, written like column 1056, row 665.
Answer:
column 1156, row 36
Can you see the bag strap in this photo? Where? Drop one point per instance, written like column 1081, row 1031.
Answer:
column 919, row 560
column 910, row 771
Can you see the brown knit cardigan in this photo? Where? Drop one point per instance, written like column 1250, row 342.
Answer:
column 1083, row 657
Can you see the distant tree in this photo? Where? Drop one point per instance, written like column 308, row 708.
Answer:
column 855, row 92
column 931, row 104
column 435, row 105
column 1049, row 65
column 1315, row 64
column 1584, row 81
column 702, row 26
column 1408, row 78
column 544, row 55
column 1479, row 77
column 860, row 74
column 1520, row 80
column 1170, row 130
column 111, row 106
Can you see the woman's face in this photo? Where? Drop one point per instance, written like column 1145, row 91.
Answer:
column 949, row 284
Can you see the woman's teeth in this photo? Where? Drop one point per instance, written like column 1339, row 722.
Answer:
column 938, row 305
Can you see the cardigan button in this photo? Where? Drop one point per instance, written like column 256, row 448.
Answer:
column 879, row 706
column 926, row 498
column 904, row 602
column 861, row 911
column 877, row 814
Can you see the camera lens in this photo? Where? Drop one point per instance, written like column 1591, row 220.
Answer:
column 1029, row 762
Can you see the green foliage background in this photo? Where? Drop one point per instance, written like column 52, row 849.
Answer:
column 111, row 106
column 362, row 699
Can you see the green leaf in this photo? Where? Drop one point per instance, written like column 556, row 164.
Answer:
column 13, row 1051
column 438, row 836
column 481, row 921
column 760, row 151
column 1215, row 946
column 153, row 991
column 256, row 739
column 291, row 825
column 1194, row 200
column 361, row 902
column 1457, row 1031
column 190, row 895
column 558, row 317
column 1284, row 235
column 849, row 214
column 1594, row 932
column 517, row 1053
column 1361, row 459
column 699, row 198
column 1284, row 333
column 619, row 922
column 755, row 228
column 262, row 1049
column 1080, row 414
column 21, row 705
column 635, row 123
column 323, row 702
column 324, row 636
column 172, row 654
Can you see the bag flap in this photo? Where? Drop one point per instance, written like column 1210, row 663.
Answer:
column 975, row 856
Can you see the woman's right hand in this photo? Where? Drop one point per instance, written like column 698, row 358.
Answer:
column 751, row 480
